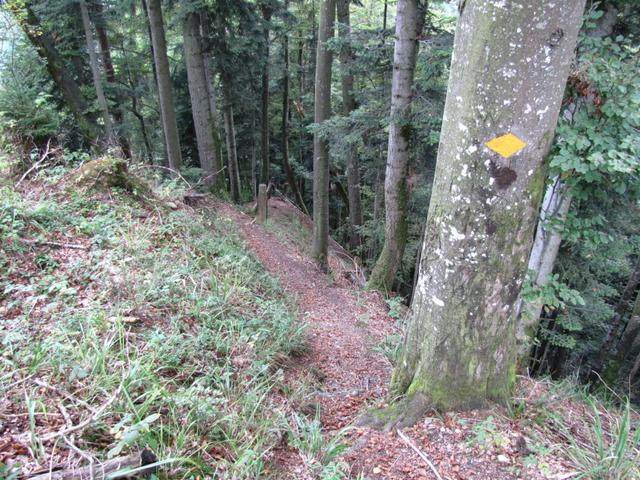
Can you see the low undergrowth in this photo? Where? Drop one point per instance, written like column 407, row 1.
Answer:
column 596, row 438
column 126, row 327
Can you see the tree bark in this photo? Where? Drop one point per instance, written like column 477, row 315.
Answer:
column 395, row 192
column 349, row 105
column 199, row 94
column 509, row 69
column 230, row 136
column 321, row 145
column 264, row 118
column 95, row 71
column 291, row 179
column 167, row 108
column 45, row 46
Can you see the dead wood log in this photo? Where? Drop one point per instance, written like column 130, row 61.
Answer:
column 95, row 471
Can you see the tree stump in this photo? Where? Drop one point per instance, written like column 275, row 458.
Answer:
column 263, row 206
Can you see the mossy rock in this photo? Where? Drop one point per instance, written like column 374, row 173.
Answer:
column 107, row 173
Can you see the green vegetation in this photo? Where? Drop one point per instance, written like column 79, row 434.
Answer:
column 159, row 328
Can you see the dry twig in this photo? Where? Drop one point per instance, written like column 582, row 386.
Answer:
column 421, row 454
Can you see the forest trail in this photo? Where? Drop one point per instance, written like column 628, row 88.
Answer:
column 344, row 326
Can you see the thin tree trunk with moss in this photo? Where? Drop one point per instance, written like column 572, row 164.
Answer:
column 213, row 100
column 320, row 145
column 230, row 136
column 349, row 105
column 46, row 49
column 199, row 94
column 627, row 348
column 254, row 172
column 509, row 69
column 110, row 76
column 546, row 245
column 264, row 118
column 291, row 179
column 165, row 93
column 395, row 191
column 622, row 306
column 95, row 71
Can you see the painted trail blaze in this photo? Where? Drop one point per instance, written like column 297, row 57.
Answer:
column 506, row 145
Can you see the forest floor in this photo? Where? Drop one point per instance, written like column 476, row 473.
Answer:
column 352, row 336
column 217, row 344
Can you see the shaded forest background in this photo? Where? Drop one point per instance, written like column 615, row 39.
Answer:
column 260, row 63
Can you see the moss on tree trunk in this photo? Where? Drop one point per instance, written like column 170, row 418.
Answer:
column 510, row 65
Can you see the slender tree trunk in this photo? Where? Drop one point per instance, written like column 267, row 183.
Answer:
column 320, row 145
column 384, row 18
column 628, row 347
column 614, row 326
column 45, row 46
column 143, row 128
column 349, row 105
column 95, row 71
column 395, row 193
column 199, row 94
column 110, row 75
column 167, row 108
column 76, row 55
column 291, row 179
column 459, row 348
column 230, row 136
column 254, row 173
column 546, row 245
column 213, row 103
column 264, row 119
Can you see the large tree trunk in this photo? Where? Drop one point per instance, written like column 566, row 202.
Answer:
column 95, row 71
column 509, row 69
column 264, row 118
column 546, row 245
column 349, row 104
column 45, row 46
column 167, row 108
column 230, row 136
column 199, row 94
column 320, row 145
column 110, row 75
column 395, row 191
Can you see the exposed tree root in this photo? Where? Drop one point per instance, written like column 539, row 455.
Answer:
column 402, row 414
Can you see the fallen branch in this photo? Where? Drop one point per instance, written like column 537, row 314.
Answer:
column 36, row 165
column 74, row 246
column 175, row 172
column 26, row 437
column 421, row 454
column 96, row 472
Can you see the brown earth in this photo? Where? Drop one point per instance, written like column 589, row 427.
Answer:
column 346, row 324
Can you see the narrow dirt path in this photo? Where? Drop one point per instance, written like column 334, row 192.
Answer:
column 345, row 324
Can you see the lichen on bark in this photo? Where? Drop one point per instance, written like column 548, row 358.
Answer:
column 506, row 77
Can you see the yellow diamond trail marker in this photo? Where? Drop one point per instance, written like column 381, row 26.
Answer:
column 506, row 145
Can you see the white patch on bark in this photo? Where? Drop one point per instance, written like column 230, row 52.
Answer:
column 455, row 235
column 437, row 301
